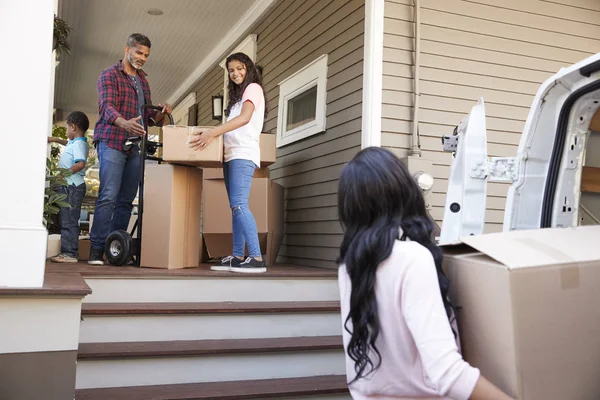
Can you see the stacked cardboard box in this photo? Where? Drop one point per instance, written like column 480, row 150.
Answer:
column 265, row 203
column 171, row 220
column 171, row 236
column 527, row 310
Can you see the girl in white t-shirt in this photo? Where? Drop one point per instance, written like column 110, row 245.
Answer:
column 245, row 116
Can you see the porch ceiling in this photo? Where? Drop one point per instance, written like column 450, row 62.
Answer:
column 187, row 34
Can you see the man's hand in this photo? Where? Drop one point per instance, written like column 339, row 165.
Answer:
column 131, row 126
column 201, row 139
column 166, row 108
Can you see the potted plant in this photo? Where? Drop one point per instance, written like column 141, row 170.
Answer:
column 61, row 34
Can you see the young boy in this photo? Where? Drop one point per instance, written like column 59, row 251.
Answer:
column 73, row 157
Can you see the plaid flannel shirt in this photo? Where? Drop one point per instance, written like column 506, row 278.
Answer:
column 117, row 98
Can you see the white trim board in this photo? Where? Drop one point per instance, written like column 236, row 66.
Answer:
column 254, row 13
column 372, row 73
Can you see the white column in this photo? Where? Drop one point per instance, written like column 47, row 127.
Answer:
column 372, row 73
column 26, row 102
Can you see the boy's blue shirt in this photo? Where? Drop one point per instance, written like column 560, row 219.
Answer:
column 76, row 150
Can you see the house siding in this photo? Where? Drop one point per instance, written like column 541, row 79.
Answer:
column 293, row 35
column 210, row 85
column 472, row 49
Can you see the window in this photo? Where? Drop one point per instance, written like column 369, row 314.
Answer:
column 301, row 111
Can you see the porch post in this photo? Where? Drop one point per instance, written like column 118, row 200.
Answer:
column 372, row 73
column 26, row 104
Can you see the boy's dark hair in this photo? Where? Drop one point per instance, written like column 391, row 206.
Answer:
column 137, row 38
column 80, row 120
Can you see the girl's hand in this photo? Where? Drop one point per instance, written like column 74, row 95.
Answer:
column 201, row 139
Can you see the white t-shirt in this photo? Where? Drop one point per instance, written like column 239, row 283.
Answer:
column 242, row 143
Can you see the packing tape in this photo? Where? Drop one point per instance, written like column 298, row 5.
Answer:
column 569, row 275
column 552, row 252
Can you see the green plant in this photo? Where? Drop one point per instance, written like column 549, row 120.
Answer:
column 61, row 35
column 55, row 177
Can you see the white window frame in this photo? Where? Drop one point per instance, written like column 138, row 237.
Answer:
column 313, row 74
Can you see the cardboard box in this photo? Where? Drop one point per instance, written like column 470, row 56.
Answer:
column 268, row 149
column 266, row 204
column 53, row 247
column 595, row 122
column 171, row 221
column 84, row 248
column 176, row 149
column 528, row 310
column 217, row 173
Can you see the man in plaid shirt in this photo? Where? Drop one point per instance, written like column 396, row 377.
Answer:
column 122, row 91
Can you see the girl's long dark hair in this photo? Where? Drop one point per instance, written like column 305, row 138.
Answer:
column 253, row 75
column 378, row 200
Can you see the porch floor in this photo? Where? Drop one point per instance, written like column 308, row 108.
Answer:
column 275, row 271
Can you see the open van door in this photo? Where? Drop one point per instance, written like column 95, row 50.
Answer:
column 550, row 159
column 550, row 165
column 464, row 213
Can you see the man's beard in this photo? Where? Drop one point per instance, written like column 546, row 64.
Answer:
column 134, row 63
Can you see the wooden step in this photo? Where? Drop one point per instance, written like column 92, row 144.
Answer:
column 236, row 390
column 91, row 309
column 90, row 351
column 203, row 271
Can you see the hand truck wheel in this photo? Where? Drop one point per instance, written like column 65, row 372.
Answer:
column 118, row 248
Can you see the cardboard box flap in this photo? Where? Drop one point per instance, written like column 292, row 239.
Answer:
column 539, row 247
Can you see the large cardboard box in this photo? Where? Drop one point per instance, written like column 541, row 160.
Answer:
column 176, row 149
column 171, row 221
column 528, row 310
column 217, row 173
column 268, row 149
column 266, row 204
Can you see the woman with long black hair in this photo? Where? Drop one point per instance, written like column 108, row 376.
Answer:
column 399, row 332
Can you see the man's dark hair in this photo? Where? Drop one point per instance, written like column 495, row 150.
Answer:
column 80, row 120
column 137, row 38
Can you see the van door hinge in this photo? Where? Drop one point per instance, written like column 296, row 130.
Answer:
column 496, row 169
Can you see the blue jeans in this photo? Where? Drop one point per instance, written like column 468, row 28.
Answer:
column 238, row 178
column 69, row 219
column 119, row 180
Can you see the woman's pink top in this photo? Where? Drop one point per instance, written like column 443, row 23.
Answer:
column 420, row 356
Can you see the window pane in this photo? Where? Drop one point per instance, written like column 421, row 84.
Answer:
column 302, row 109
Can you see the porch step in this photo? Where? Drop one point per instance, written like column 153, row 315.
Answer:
column 174, row 362
column 218, row 287
column 142, row 322
column 203, row 347
column 331, row 387
column 207, row 308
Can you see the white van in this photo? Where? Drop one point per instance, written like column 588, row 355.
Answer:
column 555, row 175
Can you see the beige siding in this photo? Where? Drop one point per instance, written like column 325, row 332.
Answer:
column 474, row 48
column 294, row 34
column 210, row 85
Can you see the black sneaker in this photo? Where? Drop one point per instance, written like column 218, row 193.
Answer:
column 250, row 266
column 226, row 264
column 96, row 256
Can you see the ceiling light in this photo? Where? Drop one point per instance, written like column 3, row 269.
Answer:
column 155, row 11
